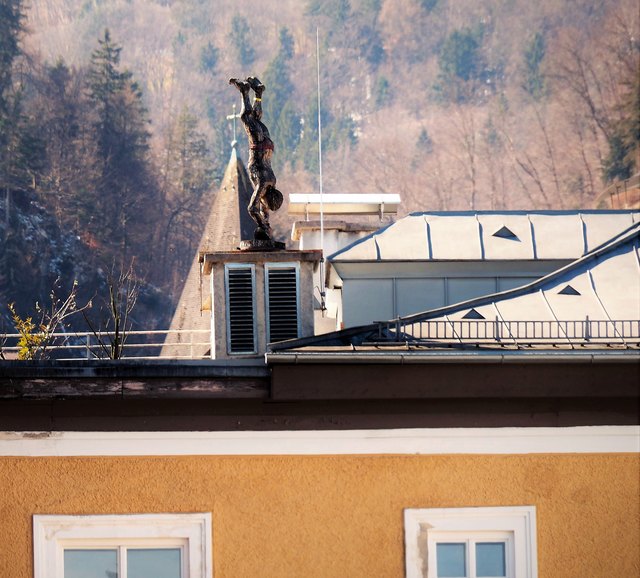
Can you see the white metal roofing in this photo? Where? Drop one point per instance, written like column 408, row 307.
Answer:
column 479, row 236
column 603, row 285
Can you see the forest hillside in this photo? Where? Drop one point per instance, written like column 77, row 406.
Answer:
column 115, row 130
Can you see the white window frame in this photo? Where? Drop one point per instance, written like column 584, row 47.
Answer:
column 252, row 267
column 269, row 266
column 53, row 534
column 515, row 525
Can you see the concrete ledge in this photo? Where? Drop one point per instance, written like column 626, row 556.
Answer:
column 208, row 259
column 47, row 379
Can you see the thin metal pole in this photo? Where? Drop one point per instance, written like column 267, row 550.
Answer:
column 322, row 280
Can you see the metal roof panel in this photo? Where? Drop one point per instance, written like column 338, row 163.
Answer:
column 602, row 227
column 617, row 283
column 393, row 245
column 558, row 236
column 470, row 236
column 454, row 237
column 497, row 247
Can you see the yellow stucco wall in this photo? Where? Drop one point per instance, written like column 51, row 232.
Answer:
column 337, row 516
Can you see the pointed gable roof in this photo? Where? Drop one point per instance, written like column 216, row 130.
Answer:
column 228, row 223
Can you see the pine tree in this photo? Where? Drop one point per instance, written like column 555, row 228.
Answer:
column 240, row 38
column 279, row 108
column 534, row 81
column 122, row 192
column 69, row 154
column 20, row 145
column 461, row 65
column 188, row 174
column 624, row 142
column 11, row 28
column 209, row 59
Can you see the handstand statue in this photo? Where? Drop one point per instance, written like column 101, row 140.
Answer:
column 265, row 196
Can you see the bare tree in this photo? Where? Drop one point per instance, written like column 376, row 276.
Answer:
column 111, row 335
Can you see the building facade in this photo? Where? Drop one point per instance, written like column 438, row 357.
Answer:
column 377, row 450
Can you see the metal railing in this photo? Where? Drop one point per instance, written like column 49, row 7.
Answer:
column 483, row 332
column 182, row 344
column 620, row 189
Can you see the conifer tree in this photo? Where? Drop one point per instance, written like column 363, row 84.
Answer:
column 534, row 81
column 20, row 147
column 240, row 39
column 279, row 109
column 122, row 189
column 187, row 175
column 11, row 27
column 69, row 153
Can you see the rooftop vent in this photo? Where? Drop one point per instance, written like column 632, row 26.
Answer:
column 506, row 233
column 241, row 333
column 568, row 290
column 473, row 314
column 282, row 302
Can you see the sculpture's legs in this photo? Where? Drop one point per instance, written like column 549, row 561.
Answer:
column 244, row 87
column 258, row 88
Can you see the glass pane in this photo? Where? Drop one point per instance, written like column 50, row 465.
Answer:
column 90, row 564
column 490, row 559
column 451, row 560
column 158, row 563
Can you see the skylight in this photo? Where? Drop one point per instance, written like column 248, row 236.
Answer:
column 506, row 233
column 473, row 314
column 568, row 290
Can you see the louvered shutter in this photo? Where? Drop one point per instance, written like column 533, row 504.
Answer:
column 241, row 333
column 282, row 302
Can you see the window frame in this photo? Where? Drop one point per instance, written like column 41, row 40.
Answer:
column 283, row 265
column 424, row 527
column 227, row 268
column 470, row 540
column 52, row 534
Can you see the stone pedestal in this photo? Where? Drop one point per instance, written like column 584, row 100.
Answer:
column 261, row 245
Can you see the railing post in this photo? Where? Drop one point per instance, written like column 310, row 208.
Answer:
column 587, row 329
column 88, row 345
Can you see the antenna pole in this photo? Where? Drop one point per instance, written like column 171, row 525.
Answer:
column 322, row 280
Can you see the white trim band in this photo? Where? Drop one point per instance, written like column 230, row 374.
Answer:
column 488, row 441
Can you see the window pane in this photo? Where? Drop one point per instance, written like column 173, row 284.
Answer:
column 90, row 564
column 159, row 563
column 451, row 560
column 490, row 559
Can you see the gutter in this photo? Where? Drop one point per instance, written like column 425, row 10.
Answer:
column 487, row 357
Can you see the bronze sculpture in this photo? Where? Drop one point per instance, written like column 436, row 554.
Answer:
column 265, row 196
